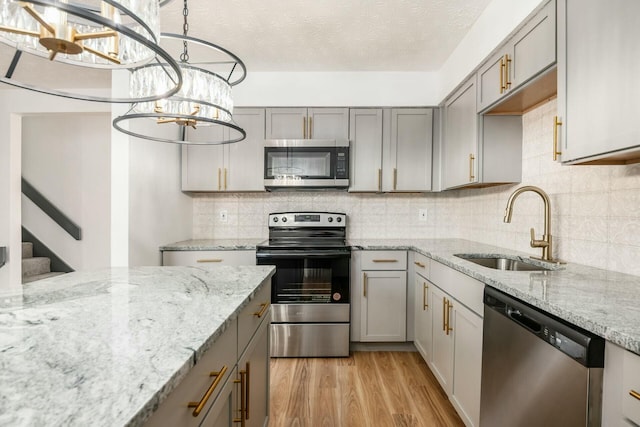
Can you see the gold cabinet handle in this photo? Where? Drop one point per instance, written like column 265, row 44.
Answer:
column 444, row 313
column 634, row 394
column 263, row 308
column 385, row 260
column 225, row 178
column 210, row 260
column 219, row 181
column 556, row 152
column 310, row 127
column 507, row 72
column 199, row 406
column 243, row 398
column 472, row 159
column 425, row 301
column 364, row 285
column 395, row 178
column 449, row 305
column 502, row 66
column 379, row 179
column 419, row 264
column 304, row 128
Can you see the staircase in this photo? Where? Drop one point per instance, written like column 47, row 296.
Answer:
column 35, row 268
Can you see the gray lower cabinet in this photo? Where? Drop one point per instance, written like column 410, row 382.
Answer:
column 523, row 56
column 423, row 308
column 307, row 123
column 598, row 85
column 478, row 150
column 228, row 167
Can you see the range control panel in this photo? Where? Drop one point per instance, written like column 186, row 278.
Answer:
column 307, row 219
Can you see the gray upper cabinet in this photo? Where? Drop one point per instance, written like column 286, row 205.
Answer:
column 307, row 123
column 598, row 85
column 528, row 53
column 407, row 159
column 228, row 167
column 478, row 150
column 365, row 135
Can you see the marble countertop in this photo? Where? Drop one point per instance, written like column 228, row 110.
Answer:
column 213, row 245
column 604, row 302
column 103, row 348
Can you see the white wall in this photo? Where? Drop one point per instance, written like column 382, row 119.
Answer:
column 66, row 158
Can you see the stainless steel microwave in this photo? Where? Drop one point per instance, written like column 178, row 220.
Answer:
column 300, row 164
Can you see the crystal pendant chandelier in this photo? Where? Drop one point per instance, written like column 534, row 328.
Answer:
column 50, row 46
column 201, row 112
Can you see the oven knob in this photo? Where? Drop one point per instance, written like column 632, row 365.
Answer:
column 275, row 219
column 339, row 219
column 284, row 219
column 330, row 219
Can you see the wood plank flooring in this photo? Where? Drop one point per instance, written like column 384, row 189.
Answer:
column 367, row 389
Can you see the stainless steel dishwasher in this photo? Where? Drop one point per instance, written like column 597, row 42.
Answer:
column 537, row 370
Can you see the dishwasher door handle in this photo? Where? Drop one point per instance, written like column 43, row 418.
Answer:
column 524, row 320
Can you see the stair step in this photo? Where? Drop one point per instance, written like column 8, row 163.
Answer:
column 30, row 279
column 36, row 265
column 27, row 250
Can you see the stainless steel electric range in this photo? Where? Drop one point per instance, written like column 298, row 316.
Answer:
column 310, row 291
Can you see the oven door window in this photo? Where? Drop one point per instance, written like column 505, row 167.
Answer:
column 307, row 280
column 309, row 163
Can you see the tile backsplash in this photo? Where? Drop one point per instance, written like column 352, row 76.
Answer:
column 595, row 209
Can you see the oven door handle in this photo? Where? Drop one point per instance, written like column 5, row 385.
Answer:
column 302, row 254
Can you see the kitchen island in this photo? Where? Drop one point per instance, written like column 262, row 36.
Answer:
column 105, row 348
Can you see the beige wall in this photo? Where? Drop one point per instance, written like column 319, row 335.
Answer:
column 596, row 209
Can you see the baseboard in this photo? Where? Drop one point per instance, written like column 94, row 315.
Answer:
column 382, row 346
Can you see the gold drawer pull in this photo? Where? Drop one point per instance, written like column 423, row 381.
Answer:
column 385, row 260
column 211, row 260
column 634, row 394
column 260, row 313
column 200, row 405
column 419, row 264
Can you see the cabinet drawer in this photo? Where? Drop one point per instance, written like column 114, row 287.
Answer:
column 253, row 314
column 209, row 258
column 465, row 289
column 631, row 387
column 383, row 260
column 421, row 264
column 220, row 358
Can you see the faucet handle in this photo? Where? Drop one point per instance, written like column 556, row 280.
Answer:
column 537, row 243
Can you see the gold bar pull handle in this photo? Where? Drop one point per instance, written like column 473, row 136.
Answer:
column 507, row 72
column 395, row 178
column 247, row 390
column 419, row 264
column 449, row 306
column 210, row 260
column 385, row 260
column 502, row 66
column 379, row 179
column 310, row 127
column 219, row 181
column 556, row 152
column 444, row 313
column 199, row 406
column 225, row 178
column 634, row 394
column 472, row 159
column 243, row 397
column 263, row 308
column 364, row 285
column 425, row 300
column 304, row 128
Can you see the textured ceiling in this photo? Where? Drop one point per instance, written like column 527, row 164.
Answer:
column 330, row 35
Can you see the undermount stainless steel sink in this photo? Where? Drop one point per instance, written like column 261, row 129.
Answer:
column 498, row 262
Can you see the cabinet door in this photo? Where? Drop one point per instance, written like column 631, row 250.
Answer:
column 598, row 69
column 467, row 362
column 225, row 408
column 254, row 369
column 384, row 306
column 245, row 160
column 492, row 80
column 411, row 149
column 203, row 165
column 328, row 123
column 442, row 354
column 533, row 48
column 365, row 134
column 286, row 123
column 423, row 321
column 460, row 147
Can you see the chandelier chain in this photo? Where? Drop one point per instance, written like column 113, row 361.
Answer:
column 184, row 56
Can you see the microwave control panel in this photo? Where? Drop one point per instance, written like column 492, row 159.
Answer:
column 342, row 163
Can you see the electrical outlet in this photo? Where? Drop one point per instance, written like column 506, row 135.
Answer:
column 422, row 215
column 223, row 216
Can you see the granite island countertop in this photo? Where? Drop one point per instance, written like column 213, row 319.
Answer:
column 104, row 348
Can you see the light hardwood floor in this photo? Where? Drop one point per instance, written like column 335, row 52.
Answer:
column 367, row 389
